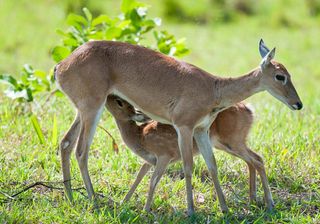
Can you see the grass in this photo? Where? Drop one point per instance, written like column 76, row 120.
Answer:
column 287, row 140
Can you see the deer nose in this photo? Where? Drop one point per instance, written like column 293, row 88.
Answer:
column 298, row 106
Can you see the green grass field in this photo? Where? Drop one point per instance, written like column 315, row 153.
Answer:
column 288, row 141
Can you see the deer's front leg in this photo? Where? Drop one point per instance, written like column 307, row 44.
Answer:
column 185, row 140
column 204, row 144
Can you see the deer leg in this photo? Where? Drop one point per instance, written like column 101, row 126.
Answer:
column 185, row 140
column 162, row 163
column 142, row 172
column 66, row 147
column 89, row 121
column 205, row 148
column 241, row 151
column 252, row 183
column 259, row 165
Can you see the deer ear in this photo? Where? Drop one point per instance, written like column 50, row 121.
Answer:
column 267, row 59
column 140, row 117
column 263, row 49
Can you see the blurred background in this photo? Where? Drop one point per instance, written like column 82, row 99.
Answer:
column 28, row 27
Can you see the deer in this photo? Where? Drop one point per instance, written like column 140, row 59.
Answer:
column 157, row 144
column 164, row 88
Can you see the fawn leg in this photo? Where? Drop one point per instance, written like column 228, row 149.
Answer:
column 142, row 172
column 162, row 163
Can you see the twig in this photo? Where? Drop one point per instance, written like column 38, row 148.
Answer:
column 114, row 144
column 49, row 96
column 39, row 183
column 5, row 194
column 107, row 132
column 34, row 185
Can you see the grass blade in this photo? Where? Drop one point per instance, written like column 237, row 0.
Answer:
column 37, row 128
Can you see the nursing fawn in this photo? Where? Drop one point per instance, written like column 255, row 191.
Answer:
column 157, row 144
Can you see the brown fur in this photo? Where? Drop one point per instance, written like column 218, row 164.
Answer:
column 166, row 89
column 154, row 140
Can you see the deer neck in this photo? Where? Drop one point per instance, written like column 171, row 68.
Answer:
column 234, row 90
column 130, row 133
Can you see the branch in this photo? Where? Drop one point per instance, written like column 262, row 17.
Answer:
column 39, row 183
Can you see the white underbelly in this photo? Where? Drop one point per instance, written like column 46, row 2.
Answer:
column 152, row 116
column 206, row 121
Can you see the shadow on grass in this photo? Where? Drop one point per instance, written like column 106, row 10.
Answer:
column 133, row 213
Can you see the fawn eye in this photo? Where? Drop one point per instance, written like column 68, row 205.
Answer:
column 281, row 78
column 119, row 103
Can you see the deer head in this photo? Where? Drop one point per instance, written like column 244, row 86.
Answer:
column 124, row 111
column 276, row 79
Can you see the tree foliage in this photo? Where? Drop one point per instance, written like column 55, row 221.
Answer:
column 132, row 26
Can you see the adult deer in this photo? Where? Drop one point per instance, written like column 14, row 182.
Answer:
column 165, row 89
column 157, row 143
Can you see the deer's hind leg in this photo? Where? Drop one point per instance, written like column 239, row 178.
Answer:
column 66, row 146
column 89, row 119
column 255, row 163
column 258, row 163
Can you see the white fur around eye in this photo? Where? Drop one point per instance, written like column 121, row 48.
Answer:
column 281, row 78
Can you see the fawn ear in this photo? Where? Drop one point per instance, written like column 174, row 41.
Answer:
column 267, row 58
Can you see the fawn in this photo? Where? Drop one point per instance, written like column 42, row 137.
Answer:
column 157, row 143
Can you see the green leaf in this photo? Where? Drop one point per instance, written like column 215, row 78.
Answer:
column 28, row 69
column 61, row 32
column 59, row 94
column 135, row 18
column 59, row 53
column 70, row 42
column 124, row 24
column 113, row 32
column 101, row 19
column 127, row 5
column 76, row 21
column 37, row 128
column 9, row 80
column 40, row 74
column 88, row 14
column 29, row 95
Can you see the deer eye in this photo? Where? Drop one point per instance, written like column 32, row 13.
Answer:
column 281, row 78
column 120, row 104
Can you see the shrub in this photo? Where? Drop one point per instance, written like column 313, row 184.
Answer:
column 130, row 26
column 29, row 83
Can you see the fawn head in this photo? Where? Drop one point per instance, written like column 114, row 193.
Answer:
column 124, row 111
column 277, row 80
